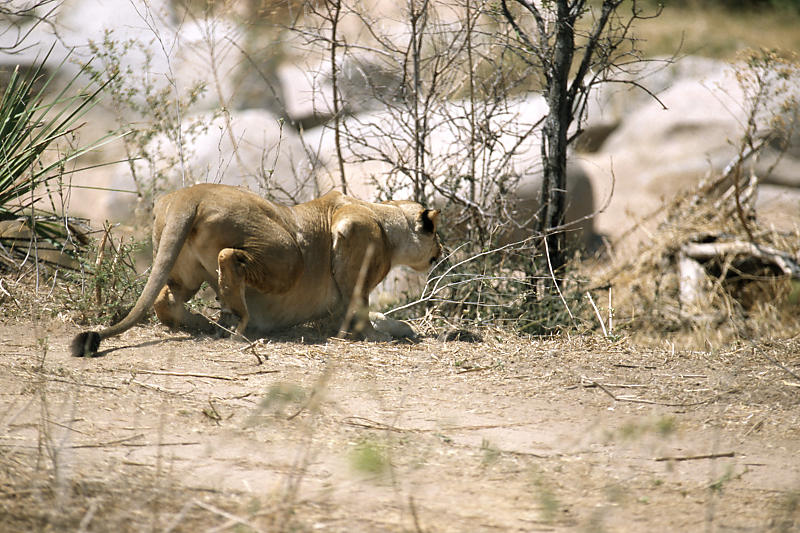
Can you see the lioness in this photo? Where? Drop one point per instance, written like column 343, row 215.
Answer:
column 273, row 266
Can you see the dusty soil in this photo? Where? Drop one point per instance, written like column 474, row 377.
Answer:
column 171, row 432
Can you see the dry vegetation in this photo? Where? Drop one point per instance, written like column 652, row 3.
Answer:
column 176, row 433
column 713, row 31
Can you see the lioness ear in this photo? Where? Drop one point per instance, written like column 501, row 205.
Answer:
column 429, row 218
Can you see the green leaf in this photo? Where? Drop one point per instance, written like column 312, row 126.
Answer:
column 34, row 120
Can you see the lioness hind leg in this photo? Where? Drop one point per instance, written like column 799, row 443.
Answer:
column 171, row 311
column 232, row 263
column 274, row 268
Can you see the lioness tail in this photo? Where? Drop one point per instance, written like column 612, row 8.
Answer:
column 173, row 236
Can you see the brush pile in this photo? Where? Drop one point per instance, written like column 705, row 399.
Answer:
column 711, row 266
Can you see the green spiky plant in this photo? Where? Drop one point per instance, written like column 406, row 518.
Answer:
column 36, row 145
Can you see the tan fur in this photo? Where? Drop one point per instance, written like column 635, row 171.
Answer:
column 274, row 266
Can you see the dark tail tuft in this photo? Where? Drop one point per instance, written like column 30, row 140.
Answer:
column 85, row 344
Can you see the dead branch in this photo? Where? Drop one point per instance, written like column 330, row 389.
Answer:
column 695, row 457
column 232, row 519
column 160, row 389
column 366, row 423
column 651, row 402
column 720, row 250
column 186, row 374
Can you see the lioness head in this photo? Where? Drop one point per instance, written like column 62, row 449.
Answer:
column 420, row 247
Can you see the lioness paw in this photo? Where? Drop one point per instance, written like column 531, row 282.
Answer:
column 226, row 324
column 394, row 329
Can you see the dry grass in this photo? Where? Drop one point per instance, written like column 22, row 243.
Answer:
column 174, row 433
column 716, row 32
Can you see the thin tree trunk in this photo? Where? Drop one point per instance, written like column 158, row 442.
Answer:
column 417, row 19
column 335, row 10
column 554, row 136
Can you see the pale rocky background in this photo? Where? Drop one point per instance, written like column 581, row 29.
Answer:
column 276, row 105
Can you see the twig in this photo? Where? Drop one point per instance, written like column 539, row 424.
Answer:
column 482, row 426
column 158, row 444
column 186, row 374
column 302, row 408
column 49, row 421
column 625, row 365
column 225, row 514
column 371, row 424
column 110, row 443
column 179, row 517
column 555, row 282
column 597, row 312
column 87, row 518
column 588, row 383
column 356, row 302
column 160, row 389
column 602, row 388
column 434, row 282
column 240, row 396
column 4, row 291
column 316, row 391
column 652, row 402
column 754, row 427
column 665, row 404
column 74, row 382
column 259, row 372
column 101, row 253
column 476, row 369
column 695, row 457
column 414, row 515
column 366, row 423
column 252, row 347
column 779, row 365
column 212, row 413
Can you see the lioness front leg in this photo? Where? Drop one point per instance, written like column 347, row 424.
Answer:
column 359, row 264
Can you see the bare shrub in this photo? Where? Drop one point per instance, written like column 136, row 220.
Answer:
column 456, row 127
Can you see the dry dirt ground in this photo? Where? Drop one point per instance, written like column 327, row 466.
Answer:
column 169, row 432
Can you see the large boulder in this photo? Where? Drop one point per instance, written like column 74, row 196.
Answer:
column 610, row 103
column 251, row 148
column 695, row 129
column 308, row 99
column 365, row 82
column 170, row 52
